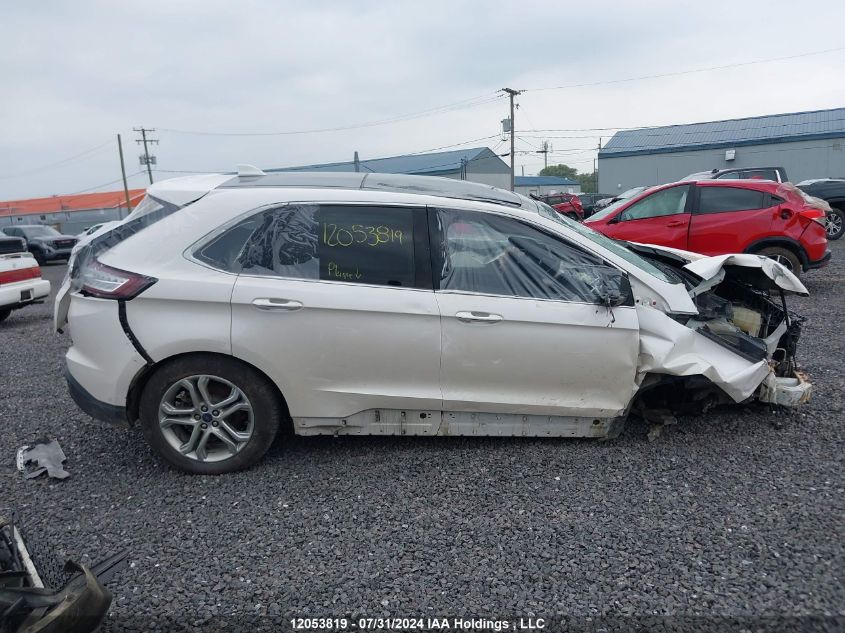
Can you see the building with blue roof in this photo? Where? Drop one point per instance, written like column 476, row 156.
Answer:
column 808, row 144
column 477, row 164
column 540, row 185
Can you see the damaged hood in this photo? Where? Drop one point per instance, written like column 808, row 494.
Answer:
column 762, row 272
column 759, row 271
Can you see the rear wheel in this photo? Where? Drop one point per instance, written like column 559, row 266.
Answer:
column 835, row 223
column 4, row 314
column 783, row 256
column 209, row 414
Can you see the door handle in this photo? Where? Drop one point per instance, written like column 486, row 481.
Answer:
column 675, row 224
column 281, row 305
column 478, row 317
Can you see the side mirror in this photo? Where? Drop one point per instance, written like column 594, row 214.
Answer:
column 614, row 288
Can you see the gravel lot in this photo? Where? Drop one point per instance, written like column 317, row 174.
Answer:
column 738, row 513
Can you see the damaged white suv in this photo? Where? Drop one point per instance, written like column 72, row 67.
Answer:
column 226, row 308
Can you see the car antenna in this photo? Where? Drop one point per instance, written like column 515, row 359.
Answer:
column 245, row 171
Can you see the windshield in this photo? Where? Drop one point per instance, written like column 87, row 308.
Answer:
column 40, row 231
column 617, row 248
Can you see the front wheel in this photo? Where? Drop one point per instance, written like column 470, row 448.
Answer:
column 209, row 414
column 835, row 223
column 783, row 256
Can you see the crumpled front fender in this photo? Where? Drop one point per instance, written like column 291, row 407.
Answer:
column 668, row 347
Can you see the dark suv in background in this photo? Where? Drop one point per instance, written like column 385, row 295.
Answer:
column 832, row 191
column 44, row 242
column 778, row 174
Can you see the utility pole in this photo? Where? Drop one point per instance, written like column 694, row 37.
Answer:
column 145, row 158
column 512, row 93
column 123, row 173
column 545, row 153
column 596, row 169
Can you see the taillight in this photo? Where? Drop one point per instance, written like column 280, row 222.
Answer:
column 21, row 274
column 98, row 280
column 814, row 214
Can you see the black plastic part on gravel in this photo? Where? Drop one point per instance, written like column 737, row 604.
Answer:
column 736, row 514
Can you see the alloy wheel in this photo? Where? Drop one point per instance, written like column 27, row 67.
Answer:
column 206, row 418
column 833, row 224
column 784, row 261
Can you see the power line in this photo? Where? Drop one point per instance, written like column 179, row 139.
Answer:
column 57, row 163
column 105, row 184
column 458, row 105
column 687, row 72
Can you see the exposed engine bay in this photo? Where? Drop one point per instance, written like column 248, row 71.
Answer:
column 741, row 307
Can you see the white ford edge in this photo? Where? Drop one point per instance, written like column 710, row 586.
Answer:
column 227, row 308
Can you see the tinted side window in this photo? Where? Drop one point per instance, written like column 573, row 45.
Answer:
column 670, row 201
column 223, row 251
column 358, row 244
column 489, row 254
column 724, row 199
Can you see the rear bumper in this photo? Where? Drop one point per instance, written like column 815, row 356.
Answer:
column 97, row 409
column 819, row 263
column 19, row 294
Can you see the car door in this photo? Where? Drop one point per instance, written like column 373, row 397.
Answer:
column 334, row 303
column 727, row 219
column 524, row 331
column 659, row 218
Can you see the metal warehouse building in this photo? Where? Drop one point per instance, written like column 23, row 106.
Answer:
column 807, row 144
column 540, row 185
column 478, row 164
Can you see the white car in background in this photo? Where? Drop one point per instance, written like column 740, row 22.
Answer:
column 20, row 277
column 226, row 308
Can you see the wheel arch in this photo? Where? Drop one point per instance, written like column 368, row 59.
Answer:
column 781, row 242
column 136, row 387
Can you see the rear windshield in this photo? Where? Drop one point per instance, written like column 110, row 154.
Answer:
column 149, row 211
column 40, row 231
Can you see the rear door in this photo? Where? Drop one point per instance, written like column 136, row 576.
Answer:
column 524, row 331
column 334, row 302
column 660, row 218
column 727, row 219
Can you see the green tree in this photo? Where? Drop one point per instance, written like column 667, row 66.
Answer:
column 561, row 171
column 589, row 182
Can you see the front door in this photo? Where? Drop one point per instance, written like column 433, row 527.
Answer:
column 661, row 218
column 334, row 303
column 523, row 328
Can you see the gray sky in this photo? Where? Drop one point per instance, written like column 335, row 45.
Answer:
column 77, row 73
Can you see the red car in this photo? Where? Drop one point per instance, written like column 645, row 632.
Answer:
column 717, row 217
column 566, row 204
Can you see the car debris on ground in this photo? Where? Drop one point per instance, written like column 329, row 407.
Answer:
column 29, row 601
column 43, row 457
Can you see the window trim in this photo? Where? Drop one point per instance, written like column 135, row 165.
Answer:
column 687, row 205
column 435, row 259
column 422, row 261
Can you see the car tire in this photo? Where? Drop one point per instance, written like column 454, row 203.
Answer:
column 39, row 258
column 835, row 224
column 783, row 256
column 206, row 440
column 4, row 314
